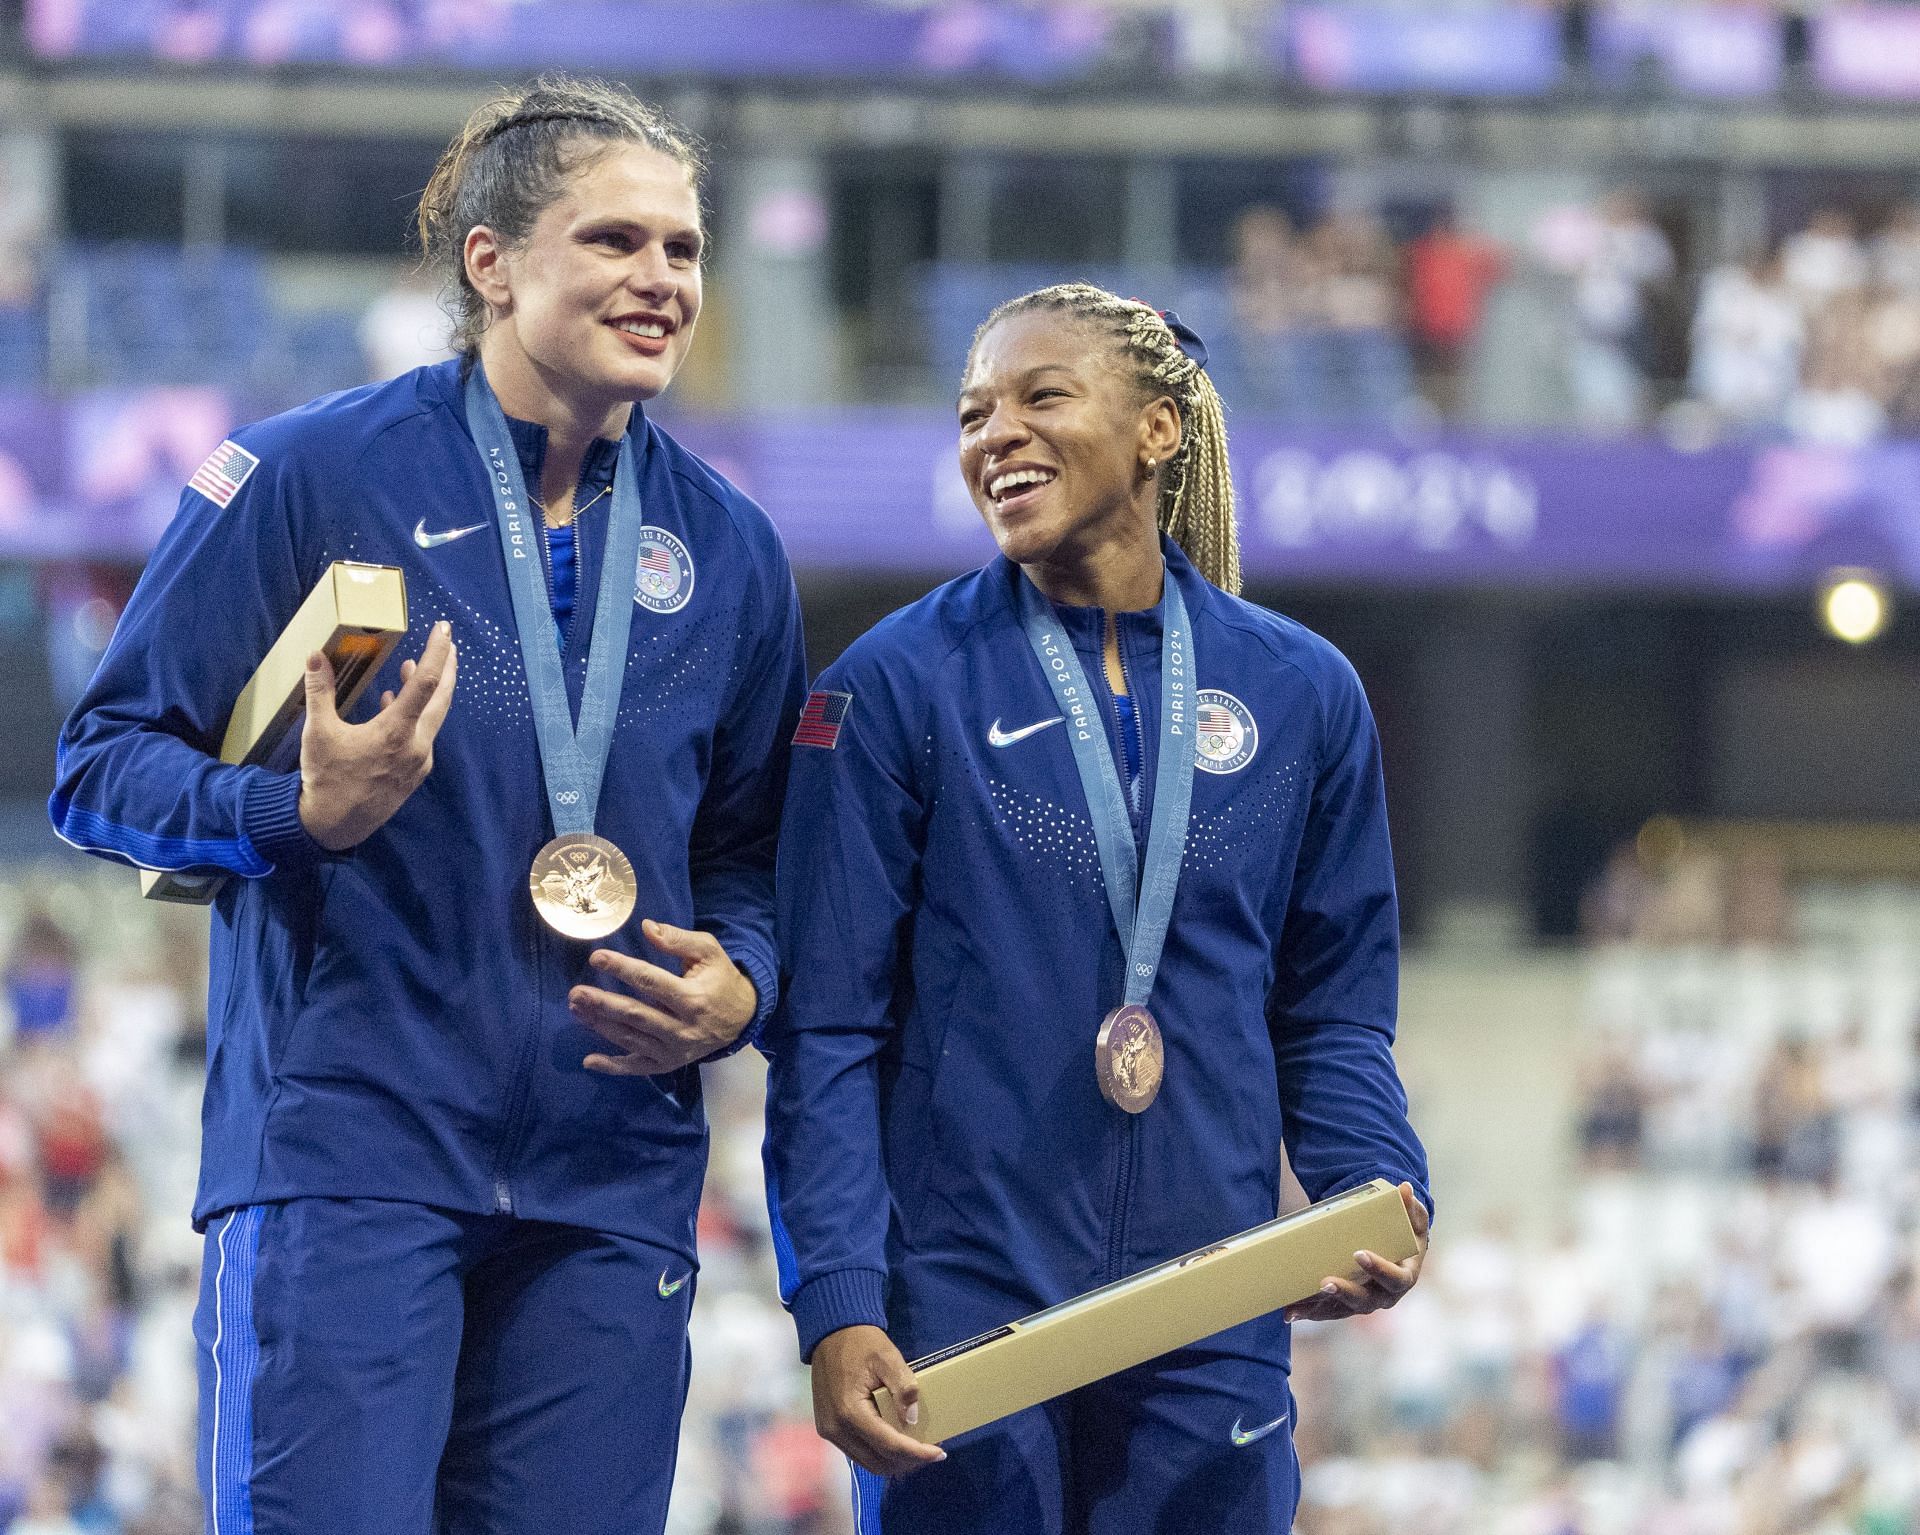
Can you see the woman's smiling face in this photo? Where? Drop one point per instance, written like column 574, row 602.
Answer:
column 601, row 299
column 1054, row 439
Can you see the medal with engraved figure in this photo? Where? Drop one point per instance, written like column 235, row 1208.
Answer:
column 1130, row 1059
column 583, row 886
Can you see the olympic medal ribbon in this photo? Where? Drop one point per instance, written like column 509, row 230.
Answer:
column 1141, row 900
column 596, row 900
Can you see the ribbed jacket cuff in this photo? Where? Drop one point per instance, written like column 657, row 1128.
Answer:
column 766, row 989
column 270, row 820
column 766, row 986
column 842, row 1298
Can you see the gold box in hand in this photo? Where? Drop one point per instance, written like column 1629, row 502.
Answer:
column 356, row 615
column 1158, row 1310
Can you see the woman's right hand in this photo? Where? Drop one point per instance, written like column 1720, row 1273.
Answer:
column 353, row 777
column 848, row 1367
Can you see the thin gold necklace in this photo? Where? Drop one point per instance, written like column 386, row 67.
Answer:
column 578, row 509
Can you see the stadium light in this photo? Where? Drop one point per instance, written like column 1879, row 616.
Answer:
column 1854, row 606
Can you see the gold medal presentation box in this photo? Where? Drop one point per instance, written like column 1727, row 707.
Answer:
column 356, row 615
column 1161, row 1309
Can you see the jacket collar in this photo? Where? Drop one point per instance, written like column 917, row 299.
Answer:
column 448, row 381
column 1086, row 625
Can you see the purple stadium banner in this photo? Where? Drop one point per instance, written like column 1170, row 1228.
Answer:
column 787, row 39
column 879, row 490
column 874, row 489
column 1868, row 50
column 1493, row 50
column 32, row 467
column 1721, row 50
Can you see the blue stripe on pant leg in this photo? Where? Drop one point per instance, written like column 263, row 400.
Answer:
column 867, row 1490
column 236, row 1358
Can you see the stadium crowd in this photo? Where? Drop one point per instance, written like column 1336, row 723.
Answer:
column 1815, row 337
column 1720, row 1336
column 101, row 1056
column 1321, row 320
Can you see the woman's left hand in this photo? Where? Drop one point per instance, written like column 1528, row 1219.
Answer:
column 1384, row 1282
column 670, row 1020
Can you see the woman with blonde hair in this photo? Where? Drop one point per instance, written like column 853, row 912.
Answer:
column 472, row 948
column 1086, row 910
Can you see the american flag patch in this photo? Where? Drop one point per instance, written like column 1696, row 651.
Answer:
column 219, row 479
column 1216, row 721
column 821, row 719
column 656, row 559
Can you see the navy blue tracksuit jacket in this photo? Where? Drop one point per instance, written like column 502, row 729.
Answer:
column 392, row 1022
column 941, row 1160
column 939, row 1155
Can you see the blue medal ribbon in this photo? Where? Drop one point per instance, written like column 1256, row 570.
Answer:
column 1141, row 920
column 573, row 758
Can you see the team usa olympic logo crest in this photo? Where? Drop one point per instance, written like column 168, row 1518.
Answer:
column 663, row 578
column 1227, row 733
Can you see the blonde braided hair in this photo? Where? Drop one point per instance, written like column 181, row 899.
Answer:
column 1195, row 507
column 515, row 155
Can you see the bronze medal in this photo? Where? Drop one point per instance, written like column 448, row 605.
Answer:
column 1129, row 1058
column 583, row 886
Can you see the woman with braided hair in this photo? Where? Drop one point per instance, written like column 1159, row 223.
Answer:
column 472, row 950
column 1086, row 912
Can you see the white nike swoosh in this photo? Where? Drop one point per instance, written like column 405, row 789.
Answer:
column 668, row 1291
column 998, row 737
column 1243, row 1437
column 428, row 540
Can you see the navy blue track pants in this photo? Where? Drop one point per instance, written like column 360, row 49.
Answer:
column 1198, row 1441
column 370, row 1367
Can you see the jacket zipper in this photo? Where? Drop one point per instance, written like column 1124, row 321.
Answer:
column 546, row 568
column 1130, row 1131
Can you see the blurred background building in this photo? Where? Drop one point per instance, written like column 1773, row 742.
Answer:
column 1572, row 356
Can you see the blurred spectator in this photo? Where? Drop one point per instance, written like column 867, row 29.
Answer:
column 1759, row 907
column 1858, row 339
column 1591, row 1371
column 1612, row 903
column 1748, row 332
column 1320, row 318
column 40, row 978
column 404, row 328
column 71, row 1142
column 1269, row 284
column 24, row 226
column 1841, row 401
column 1895, row 252
column 47, row 1512
column 1792, row 1131
column 1893, row 329
column 1449, row 274
column 1267, row 279
column 1615, row 258
column 1824, row 260
column 1361, row 370
column 1613, row 1109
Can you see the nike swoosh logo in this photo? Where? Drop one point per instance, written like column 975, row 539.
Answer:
column 428, row 540
column 998, row 737
column 1245, row 1436
column 668, row 1291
